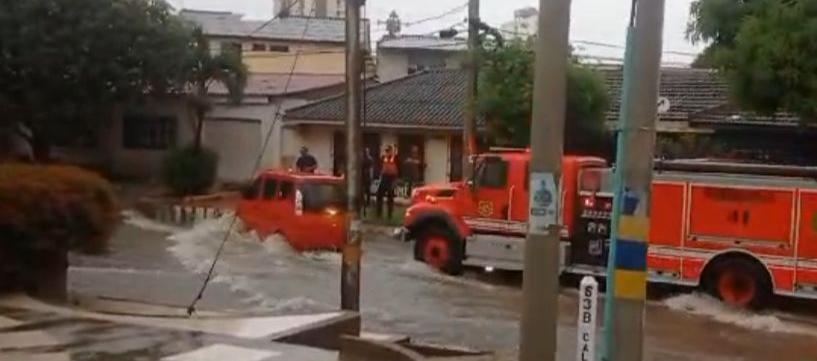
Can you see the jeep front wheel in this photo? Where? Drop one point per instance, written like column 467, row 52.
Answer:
column 440, row 250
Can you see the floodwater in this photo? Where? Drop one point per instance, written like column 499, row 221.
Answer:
column 401, row 296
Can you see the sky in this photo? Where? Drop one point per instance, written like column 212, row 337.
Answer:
column 602, row 21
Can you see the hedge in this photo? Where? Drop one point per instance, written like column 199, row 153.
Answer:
column 55, row 207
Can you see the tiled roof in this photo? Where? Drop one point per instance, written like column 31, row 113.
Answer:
column 690, row 91
column 437, row 98
column 222, row 23
column 422, row 42
column 432, row 99
column 272, row 84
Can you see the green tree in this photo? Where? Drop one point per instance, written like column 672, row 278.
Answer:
column 204, row 68
column 766, row 50
column 506, row 94
column 63, row 60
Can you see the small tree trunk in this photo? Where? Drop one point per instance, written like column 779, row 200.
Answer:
column 40, row 147
column 48, row 275
column 199, row 127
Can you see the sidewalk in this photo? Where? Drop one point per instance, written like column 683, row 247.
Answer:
column 31, row 330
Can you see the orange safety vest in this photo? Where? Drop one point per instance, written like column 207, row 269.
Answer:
column 389, row 165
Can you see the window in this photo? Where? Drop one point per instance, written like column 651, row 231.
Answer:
column 251, row 191
column 286, row 190
column 279, row 48
column 269, row 188
column 142, row 131
column 234, row 48
column 259, row 47
column 318, row 196
column 492, row 172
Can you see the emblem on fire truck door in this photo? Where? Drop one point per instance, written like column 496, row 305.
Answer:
column 485, row 208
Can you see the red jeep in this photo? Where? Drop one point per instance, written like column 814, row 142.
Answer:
column 304, row 208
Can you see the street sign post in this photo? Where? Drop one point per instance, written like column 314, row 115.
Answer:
column 588, row 306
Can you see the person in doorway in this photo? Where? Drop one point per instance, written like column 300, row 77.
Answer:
column 366, row 176
column 306, row 163
column 412, row 168
column 388, row 174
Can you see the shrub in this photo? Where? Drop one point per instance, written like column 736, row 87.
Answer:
column 55, row 208
column 190, row 171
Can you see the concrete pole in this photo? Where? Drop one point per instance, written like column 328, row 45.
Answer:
column 469, row 139
column 627, row 266
column 540, row 304
column 350, row 268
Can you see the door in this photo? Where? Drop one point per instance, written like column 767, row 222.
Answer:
column 491, row 188
column 285, row 204
column 715, row 212
column 269, row 218
column 249, row 207
column 807, row 242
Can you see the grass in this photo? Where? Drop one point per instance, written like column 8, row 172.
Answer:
column 395, row 221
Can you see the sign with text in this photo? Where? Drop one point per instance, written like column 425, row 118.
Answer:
column 544, row 203
column 588, row 304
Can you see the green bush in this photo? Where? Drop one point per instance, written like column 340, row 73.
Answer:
column 47, row 208
column 190, row 171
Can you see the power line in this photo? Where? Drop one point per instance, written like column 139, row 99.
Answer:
column 437, row 17
column 192, row 307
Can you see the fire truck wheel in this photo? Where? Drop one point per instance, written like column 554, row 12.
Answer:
column 441, row 250
column 740, row 282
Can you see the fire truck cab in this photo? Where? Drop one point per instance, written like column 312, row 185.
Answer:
column 740, row 232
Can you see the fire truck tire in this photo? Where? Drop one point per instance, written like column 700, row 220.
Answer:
column 739, row 282
column 441, row 249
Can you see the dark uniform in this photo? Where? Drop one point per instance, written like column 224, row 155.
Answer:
column 388, row 174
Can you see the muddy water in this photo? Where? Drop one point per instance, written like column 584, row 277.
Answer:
column 402, row 296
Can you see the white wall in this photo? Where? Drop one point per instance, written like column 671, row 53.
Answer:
column 436, row 158
column 237, row 143
column 391, row 65
column 317, row 138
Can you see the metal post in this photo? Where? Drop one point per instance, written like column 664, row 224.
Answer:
column 627, row 264
column 469, row 139
column 586, row 330
column 350, row 268
column 541, row 274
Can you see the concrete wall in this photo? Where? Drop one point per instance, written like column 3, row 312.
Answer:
column 319, row 140
column 315, row 59
column 436, row 158
column 395, row 63
column 143, row 163
column 391, row 65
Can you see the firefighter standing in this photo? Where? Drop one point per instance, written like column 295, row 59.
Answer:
column 388, row 174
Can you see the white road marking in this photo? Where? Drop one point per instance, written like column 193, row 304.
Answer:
column 220, row 352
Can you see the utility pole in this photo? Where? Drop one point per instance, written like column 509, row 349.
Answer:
column 627, row 263
column 350, row 267
column 540, row 282
column 469, row 130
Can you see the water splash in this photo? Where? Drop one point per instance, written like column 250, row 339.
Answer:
column 705, row 305
column 136, row 219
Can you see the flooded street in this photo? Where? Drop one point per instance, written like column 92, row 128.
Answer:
column 401, row 296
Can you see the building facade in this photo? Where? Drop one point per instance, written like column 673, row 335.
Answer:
column 402, row 55
column 315, row 8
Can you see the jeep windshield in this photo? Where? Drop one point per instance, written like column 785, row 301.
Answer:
column 318, row 196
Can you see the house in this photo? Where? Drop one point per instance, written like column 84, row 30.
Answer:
column 426, row 110
column 299, row 44
column 423, row 110
column 525, row 23
column 137, row 136
column 401, row 55
column 292, row 60
column 320, row 8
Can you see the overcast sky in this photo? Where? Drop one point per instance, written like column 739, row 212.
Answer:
column 592, row 20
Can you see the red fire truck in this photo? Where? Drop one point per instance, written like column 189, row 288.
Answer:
column 741, row 232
